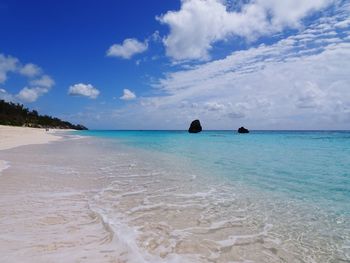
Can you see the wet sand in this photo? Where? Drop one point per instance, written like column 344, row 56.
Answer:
column 44, row 209
column 44, row 216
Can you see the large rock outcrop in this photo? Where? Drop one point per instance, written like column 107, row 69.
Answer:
column 195, row 127
column 243, row 130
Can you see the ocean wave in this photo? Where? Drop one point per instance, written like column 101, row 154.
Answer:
column 4, row 165
column 162, row 214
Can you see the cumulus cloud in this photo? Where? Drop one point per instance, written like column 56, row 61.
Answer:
column 155, row 37
column 43, row 81
column 30, row 70
column 38, row 88
column 35, row 87
column 299, row 82
column 128, row 95
column 127, row 49
column 85, row 90
column 214, row 106
column 310, row 95
column 31, row 94
column 4, row 95
column 200, row 23
column 7, row 64
column 226, row 109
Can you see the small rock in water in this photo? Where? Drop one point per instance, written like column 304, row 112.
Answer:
column 195, row 127
column 243, row 130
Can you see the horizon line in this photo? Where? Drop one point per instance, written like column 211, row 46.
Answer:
column 233, row 130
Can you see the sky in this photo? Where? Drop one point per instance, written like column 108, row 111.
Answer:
column 122, row 64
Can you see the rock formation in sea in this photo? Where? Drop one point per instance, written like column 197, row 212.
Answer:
column 195, row 127
column 243, row 130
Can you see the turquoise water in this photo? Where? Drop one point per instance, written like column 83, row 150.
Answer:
column 310, row 165
column 218, row 196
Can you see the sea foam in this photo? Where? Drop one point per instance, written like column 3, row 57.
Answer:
column 4, row 165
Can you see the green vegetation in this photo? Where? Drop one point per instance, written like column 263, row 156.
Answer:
column 17, row 115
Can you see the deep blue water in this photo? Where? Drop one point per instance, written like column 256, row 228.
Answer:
column 309, row 165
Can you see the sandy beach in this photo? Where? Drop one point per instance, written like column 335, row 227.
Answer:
column 11, row 136
column 44, row 209
column 185, row 131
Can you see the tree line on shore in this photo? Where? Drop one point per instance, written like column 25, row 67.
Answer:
column 15, row 114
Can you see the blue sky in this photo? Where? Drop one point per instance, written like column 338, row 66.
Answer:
column 265, row 64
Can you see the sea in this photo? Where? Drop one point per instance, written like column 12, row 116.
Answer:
column 174, row 197
column 220, row 196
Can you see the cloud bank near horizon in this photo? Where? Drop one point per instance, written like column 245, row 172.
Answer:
column 299, row 82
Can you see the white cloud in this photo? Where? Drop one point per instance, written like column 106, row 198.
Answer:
column 41, row 86
column 343, row 24
column 127, row 49
column 235, row 114
column 226, row 109
column 214, row 106
column 200, row 23
column 128, row 95
column 300, row 82
column 85, row 90
column 31, row 94
column 7, row 64
column 155, row 37
column 30, row 70
column 43, row 81
column 310, row 95
column 4, row 95
column 35, row 87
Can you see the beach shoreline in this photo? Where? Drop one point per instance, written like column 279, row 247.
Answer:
column 13, row 136
column 104, row 199
column 44, row 202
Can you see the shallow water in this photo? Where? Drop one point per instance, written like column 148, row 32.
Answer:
column 313, row 166
column 175, row 197
column 220, row 196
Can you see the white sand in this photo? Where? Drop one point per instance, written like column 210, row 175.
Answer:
column 45, row 195
column 11, row 137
